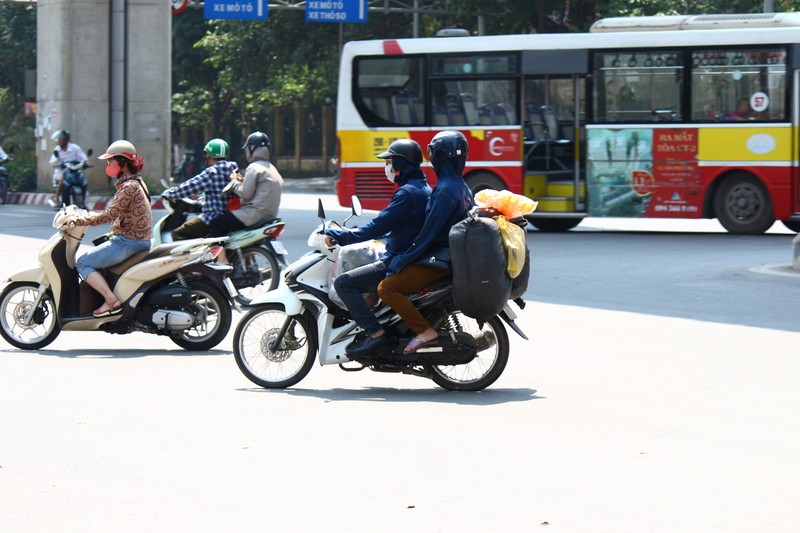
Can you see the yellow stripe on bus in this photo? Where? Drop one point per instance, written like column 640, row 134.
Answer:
column 744, row 144
column 365, row 145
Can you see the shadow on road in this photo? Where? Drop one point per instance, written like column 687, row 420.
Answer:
column 384, row 394
column 127, row 354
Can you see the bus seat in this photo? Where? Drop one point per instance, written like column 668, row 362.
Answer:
column 535, row 127
column 470, row 109
column 486, row 115
column 455, row 111
column 418, row 107
column 382, row 106
column 440, row 116
column 550, row 122
column 505, row 113
column 402, row 109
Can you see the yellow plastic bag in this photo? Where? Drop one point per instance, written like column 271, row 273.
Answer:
column 514, row 243
column 509, row 204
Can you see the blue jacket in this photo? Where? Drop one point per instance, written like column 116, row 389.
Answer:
column 450, row 203
column 399, row 222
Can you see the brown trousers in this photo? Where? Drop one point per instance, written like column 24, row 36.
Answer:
column 393, row 291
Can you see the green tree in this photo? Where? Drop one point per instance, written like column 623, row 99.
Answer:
column 18, row 46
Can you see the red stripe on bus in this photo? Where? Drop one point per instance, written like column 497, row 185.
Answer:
column 392, row 47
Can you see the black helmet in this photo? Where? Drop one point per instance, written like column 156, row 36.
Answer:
column 448, row 144
column 405, row 148
column 255, row 140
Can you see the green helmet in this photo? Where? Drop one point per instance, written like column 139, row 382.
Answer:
column 218, row 149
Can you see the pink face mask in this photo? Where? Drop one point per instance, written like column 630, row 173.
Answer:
column 112, row 170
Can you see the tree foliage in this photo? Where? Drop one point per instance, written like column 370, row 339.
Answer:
column 235, row 72
column 18, row 54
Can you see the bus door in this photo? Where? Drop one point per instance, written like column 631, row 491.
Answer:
column 795, row 115
column 554, row 129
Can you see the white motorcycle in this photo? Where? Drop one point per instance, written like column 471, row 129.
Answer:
column 276, row 342
column 173, row 289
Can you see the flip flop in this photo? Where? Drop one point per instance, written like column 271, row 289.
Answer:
column 100, row 312
column 415, row 344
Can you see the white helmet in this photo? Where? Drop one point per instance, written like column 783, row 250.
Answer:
column 120, row 148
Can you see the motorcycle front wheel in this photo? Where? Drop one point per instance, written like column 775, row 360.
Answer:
column 267, row 365
column 213, row 324
column 16, row 301
column 487, row 366
column 255, row 271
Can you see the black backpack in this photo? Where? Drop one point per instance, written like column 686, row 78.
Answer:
column 481, row 286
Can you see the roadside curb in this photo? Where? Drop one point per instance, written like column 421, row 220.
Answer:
column 93, row 203
column 323, row 184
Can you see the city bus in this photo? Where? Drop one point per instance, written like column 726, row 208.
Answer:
column 673, row 116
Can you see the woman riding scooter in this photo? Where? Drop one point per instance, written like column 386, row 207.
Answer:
column 131, row 222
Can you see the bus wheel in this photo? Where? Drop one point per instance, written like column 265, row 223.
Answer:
column 484, row 180
column 793, row 225
column 743, row 205
column 553, row 225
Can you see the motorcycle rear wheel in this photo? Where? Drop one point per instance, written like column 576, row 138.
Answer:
column 216, row 323
column 488, row 364
column 258, row 362
column 15, row 302
column 254, row 273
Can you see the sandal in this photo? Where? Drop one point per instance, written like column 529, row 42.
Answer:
column 416, row 343
column 107, row 310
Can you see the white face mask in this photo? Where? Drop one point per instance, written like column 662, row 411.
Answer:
column 390, row 175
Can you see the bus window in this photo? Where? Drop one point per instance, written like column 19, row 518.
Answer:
column 390, row 91
column 638, row 87
column 739, row 84
column 467, row 102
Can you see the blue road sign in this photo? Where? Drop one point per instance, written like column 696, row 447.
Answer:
column 336, row 10
column 236, row 9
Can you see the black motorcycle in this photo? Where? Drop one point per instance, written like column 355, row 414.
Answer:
column 73, row 185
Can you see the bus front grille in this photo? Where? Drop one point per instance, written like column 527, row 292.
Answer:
column 373, row 186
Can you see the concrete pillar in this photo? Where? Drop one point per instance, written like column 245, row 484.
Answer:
column 101, row 84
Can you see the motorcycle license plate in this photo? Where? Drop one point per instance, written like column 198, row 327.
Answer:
column 229, row 285
column 279, row 247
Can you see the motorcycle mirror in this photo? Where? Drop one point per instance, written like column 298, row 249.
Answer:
column 356, row 203
column 89, row 153
column 320, row 209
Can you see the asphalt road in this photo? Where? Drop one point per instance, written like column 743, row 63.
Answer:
column 657, row 394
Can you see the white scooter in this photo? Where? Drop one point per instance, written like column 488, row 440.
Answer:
column 174, row 290
column 276, row 342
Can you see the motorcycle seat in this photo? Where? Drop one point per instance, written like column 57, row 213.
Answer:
column 265, row 222
column 158, row 251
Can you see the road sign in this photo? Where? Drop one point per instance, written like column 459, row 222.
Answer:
column 236, row 9
column 336, row 11
column 178, row 6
